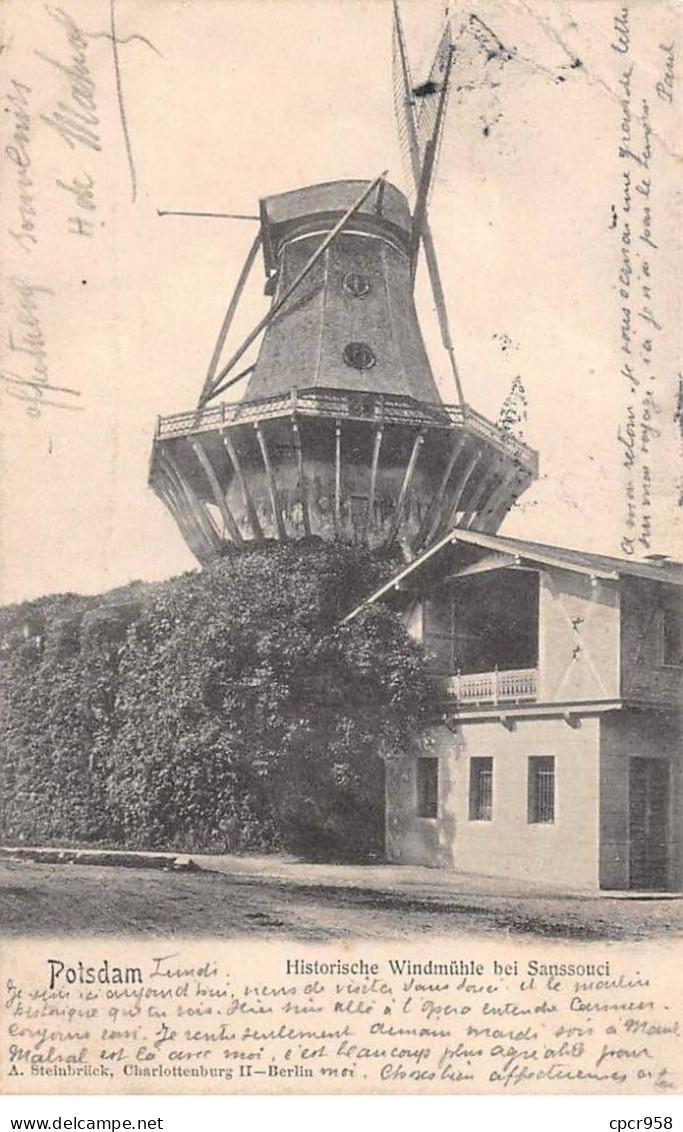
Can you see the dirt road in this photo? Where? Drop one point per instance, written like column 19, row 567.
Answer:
column 232, row 897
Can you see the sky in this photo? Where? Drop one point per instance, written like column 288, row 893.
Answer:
column 210, row 105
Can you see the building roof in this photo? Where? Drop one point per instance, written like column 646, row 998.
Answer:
column 658, row 568
column 542, row 554
column 321, row 206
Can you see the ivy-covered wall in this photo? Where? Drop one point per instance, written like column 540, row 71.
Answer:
column 222, row 711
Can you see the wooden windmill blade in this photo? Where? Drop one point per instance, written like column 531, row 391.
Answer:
column 420, row 114
column 429, row 158
column 404, row 104
column 427, row 97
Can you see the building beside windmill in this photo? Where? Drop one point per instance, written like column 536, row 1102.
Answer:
column 555, row 748
column 555, row 752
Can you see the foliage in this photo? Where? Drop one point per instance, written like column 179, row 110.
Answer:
column 513, row 413
column 221, row 711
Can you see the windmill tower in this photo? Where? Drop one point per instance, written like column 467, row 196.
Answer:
column 341, row 432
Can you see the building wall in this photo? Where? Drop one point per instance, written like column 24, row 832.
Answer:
column 644, row 676
column 578, row 638
column 304, row 345
column 623, row 735
column 565, row 852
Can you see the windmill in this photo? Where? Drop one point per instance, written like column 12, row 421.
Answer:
column 341, row 432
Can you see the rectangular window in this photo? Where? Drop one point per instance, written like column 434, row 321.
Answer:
column 672, row 637
column 427, row 788
column 541, row 790
column 481, row 789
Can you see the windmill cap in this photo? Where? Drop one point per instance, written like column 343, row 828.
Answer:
column 319, row 207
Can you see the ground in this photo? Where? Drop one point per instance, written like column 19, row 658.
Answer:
column 229, row 897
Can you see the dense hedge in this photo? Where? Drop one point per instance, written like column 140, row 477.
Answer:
column 222, row 711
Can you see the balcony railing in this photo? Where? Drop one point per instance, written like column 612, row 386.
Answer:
column 514, row 686
column 342, row 404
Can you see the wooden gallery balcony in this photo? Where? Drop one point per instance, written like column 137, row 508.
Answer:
column 481, row 635
column 471, row 689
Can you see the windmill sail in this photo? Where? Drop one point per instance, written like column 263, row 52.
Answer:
column 404, row 106
column 417, row 106
column 419, row 116
column 429, row 165
column 428, row 95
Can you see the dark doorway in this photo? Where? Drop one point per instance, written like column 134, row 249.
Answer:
column 648, row 822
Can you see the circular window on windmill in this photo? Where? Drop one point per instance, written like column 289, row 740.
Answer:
column 358, row 355
column 356, row 284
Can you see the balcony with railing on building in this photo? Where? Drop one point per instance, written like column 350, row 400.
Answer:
column 480, row 634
